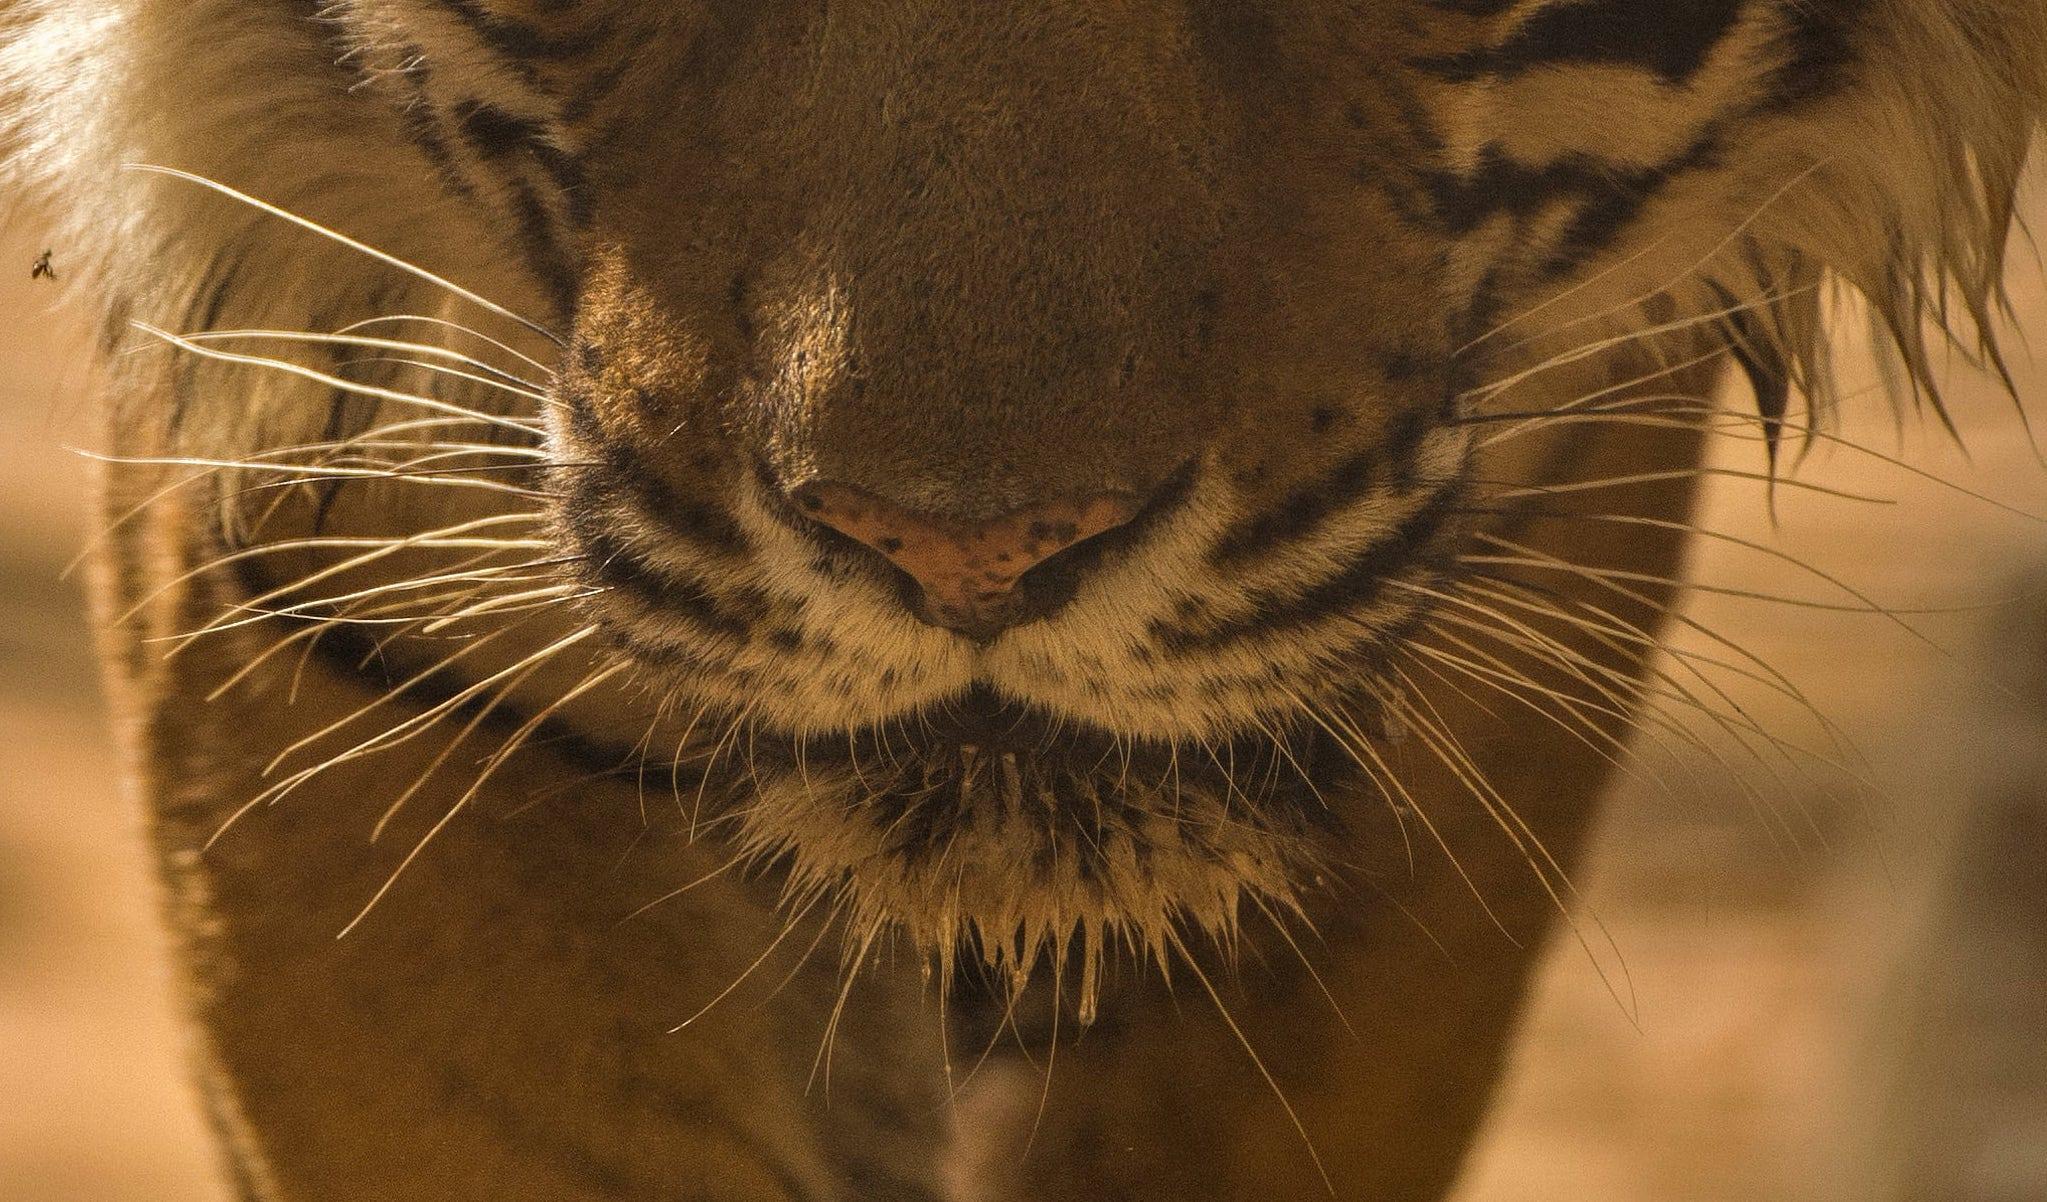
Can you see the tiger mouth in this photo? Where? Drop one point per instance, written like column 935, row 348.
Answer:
column 1177, row 732
column 983, row 744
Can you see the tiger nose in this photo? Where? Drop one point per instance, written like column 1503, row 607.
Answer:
column 967, row 573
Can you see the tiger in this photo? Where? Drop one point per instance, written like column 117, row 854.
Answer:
column 935, row 599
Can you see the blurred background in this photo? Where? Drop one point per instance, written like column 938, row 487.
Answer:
column 1833, row 983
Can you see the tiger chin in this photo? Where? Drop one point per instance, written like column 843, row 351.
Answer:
column 929, row 600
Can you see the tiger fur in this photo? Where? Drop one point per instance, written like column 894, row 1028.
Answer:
column 676, row 852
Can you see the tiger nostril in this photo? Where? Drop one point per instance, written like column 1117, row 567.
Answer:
column 967, row 573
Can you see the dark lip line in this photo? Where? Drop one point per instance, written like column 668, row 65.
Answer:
column 984, row 716
column 1413, row 549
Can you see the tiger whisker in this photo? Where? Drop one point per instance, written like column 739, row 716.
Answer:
column 1278, row 922
column 438, row 448
column 1498, row 674
column 1678, row 616
column 1514, row 492
column 1549, row 873
column 731, row 863
column 1891, row 612
column 442, row 369
column 384, row 257
column 380, row 548
column 411, row 727
column 1696, row 270
column 1734, row 425
column 1738, row 726
column 1645, row 721
column 1187, row 957
column 1622, row 388
column 391, row 737
column 457, row 327
column 1604, row 625
column 1358, row 745
column 520, row 385
column 1869, row 603
column 850, row 970
column 1625, row 689
column 258, row 611
column 1590, row 350
column 1597, row 277
column 789, row 926
column 516, row 602
column 344, row 471
column 334, row 382
column 98, row 540
column 482, row 715
column 1648, row 721
column 511, row 746
column 1659, row 730
column 390, row 694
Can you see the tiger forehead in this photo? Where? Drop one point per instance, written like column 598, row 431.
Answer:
column 1475, row 108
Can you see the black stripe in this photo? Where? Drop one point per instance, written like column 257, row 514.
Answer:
column 610, row 563
column 868, row 1177
column 1611, row 194
column 423, row 126
column 1668, row 38
column 1356, row 587
column 566, row 171
column 208, row 302
column 1306, row 510
column 1463, row 201
column 1819, row 50
column 1610, row 209
column 542, row 249
column 697, row 521
column 519, row 41
column 496, row 135
column 581, row 104
column 619, row 469
column 1475, row 8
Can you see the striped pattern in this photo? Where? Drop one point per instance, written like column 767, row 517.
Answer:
column 1528, row 143
column 1524, row 185
column 500, row 107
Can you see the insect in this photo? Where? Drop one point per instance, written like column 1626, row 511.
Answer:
column 41, row 269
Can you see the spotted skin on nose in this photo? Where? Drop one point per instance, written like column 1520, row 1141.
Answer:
column 967, row 572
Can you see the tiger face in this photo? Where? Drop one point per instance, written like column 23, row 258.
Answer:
column 1032, row 438
column 1042, row 427
column 1016, row 442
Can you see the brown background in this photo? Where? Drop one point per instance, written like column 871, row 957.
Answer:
column 1852, row 1010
